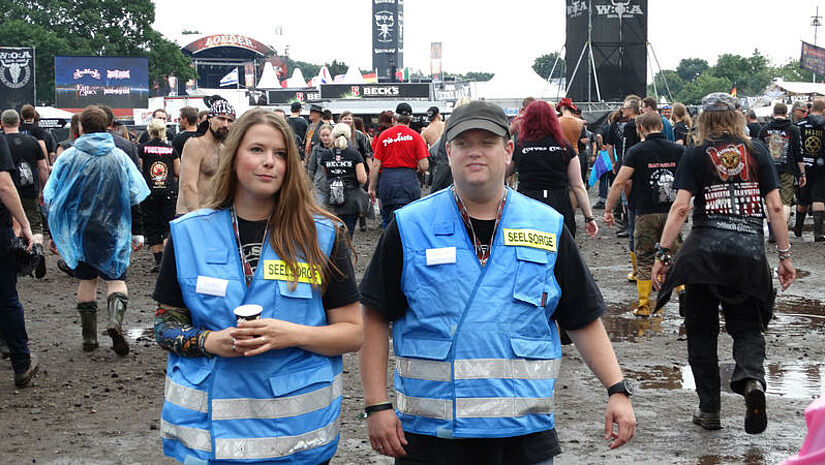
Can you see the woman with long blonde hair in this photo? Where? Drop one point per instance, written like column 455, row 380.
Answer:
column 256, row 303
column 681, row 124
column 345, row 173
column 316, row 174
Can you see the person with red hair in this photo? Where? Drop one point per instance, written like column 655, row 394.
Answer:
column 549, row 168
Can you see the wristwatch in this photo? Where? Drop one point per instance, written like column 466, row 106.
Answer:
column 624, row 386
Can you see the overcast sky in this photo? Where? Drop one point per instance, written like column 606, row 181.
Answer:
column 486, row 36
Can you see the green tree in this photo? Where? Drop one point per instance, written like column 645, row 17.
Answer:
column 666, row 79
column 749, row 75
column 691, row 68
column 791, row 71
column 88, row 27
column 309, row 70
column 707, row 82
column 543, row 65
column 478, row 76
column 336, row 68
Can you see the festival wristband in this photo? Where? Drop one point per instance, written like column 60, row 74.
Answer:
column 370, row 409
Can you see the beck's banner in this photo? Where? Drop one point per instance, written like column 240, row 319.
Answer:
column 813, row 58
column 119, row 82
column 373, row 91
column 16, row 77
column 278, row 96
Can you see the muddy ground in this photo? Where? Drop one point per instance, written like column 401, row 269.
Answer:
column 100, row 408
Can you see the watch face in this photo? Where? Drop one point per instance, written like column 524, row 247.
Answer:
column 628, row 387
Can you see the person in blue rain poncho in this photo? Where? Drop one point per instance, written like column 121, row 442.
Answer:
column 90, row 195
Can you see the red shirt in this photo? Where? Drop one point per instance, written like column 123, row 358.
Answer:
column 400, row 147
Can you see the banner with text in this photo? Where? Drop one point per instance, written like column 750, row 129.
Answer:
column 374, row 91
column 813, row 58
column 119, row 82
column 16, row 77
column 310, row 94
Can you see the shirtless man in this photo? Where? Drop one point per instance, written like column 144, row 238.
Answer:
column 199, row 160
column 433, row 131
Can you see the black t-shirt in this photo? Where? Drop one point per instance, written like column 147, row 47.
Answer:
column 630, row 137
column 754, row 129
column 581, row 301
column 784, row 142
column 26, row 152
column 341, row 164
column 158, row 166
column 654, row 169
column 31, row 129
column 542, row 164
column 812, row 129
column 614, row 136
column 728, row 181
column 180, row 140
column 299, row 126
column 341, row 289
column 6, row 164
column 681, row 131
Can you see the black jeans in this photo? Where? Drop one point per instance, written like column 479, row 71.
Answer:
column 742, row 322
column 12, row 324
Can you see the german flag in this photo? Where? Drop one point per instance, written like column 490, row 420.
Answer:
column 733, row 92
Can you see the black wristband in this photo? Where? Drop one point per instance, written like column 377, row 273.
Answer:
column 370, row 409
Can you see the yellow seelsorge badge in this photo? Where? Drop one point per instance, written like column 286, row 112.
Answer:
column 279, row 270
column 530, row 238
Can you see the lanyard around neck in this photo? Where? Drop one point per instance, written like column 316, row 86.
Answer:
column 248, row 272
column 482, row 250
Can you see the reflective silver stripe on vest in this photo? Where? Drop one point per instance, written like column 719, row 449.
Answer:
column 423, row 369
column 186, row 397
column 496, row 407
column 506, row 368
column 431, row 408
column 267, row 448
column 281, row 407
column 192, row 438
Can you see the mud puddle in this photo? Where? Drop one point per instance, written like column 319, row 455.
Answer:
column 141, row 334
column 623, row 326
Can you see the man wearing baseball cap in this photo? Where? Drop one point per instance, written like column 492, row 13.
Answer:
column 399, row 153
column 199, row 160
column 433, row 131
column 475, row 279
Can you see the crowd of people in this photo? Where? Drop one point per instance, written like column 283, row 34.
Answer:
column 479, row 283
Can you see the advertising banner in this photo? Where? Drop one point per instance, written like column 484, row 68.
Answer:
column 119, row 82
column 375, row 91
column 813, row 58
column 435, row 61
column 387, row 37
column 16, row 77
column 309, row 94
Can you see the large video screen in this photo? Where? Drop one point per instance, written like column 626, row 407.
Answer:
column 120, row 82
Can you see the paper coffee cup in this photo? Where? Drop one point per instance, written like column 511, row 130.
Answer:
column 248, row 313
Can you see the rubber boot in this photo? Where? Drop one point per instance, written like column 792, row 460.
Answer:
column 644, row 287
column 116, row 305
column 88, row 321
column 362, row 222
column 818, row 226
column 632, row 275
column 799, row 221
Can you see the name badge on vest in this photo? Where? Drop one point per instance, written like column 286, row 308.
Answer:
column 211, row 286
column 530, row 238
column 440, row 256
column 279, row 270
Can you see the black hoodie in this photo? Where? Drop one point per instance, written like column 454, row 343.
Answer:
column 812, row 128
column 784, row 142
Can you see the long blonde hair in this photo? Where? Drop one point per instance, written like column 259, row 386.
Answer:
column 680, row 113
column 292, row 225
column 340, row 136
column 712, row 125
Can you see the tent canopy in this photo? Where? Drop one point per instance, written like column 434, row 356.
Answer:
column 269, row 78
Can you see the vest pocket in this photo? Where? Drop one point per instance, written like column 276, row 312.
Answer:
column 430, row 349
column 533, row 348
column 530, row 275
column 283, row 384
column 195, row 370
column 301, row 291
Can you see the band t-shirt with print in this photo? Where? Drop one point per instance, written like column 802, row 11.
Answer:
column 654, row 168
column 158, row 159
column 728, row 180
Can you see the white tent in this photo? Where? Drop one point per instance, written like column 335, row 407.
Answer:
column 53, row 113
column 269, row 78
column 297, row 80
column 353, row 76
column 514, row 82
column 323, row 77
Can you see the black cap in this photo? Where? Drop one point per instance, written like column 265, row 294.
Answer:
column 431, row 112
column 478, row 114
column 317, row 108
column 296, row 106
column 404, row 109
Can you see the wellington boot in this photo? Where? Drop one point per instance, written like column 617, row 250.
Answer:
column 116, row 305
column 88, row 320
column 818, row 237
column 644, row 287
column 799, row 221
column 632, row 275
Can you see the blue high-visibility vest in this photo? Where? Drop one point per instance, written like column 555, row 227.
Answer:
column 477, row 353
column 278, row 407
